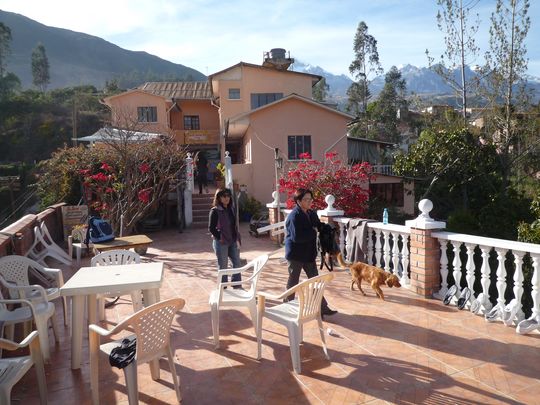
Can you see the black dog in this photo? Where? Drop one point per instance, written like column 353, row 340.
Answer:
column 328, row 245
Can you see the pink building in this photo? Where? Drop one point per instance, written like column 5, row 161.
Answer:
column 248, row 110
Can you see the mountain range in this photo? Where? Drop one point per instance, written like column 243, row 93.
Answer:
column 78, row 59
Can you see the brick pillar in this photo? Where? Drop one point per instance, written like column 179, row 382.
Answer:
column 425, row 252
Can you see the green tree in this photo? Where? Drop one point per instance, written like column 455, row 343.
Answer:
column 365, row 62
column 5, row 48
column 504, row 86
column 461, row 48
column 320, row 90
column 40, row 67
column 385, row 110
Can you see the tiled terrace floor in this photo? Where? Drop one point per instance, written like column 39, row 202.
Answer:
column 405, row 350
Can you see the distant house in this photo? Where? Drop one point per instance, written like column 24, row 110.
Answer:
column 248, row 110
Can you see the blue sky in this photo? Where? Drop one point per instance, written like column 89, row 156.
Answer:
column 210, row 35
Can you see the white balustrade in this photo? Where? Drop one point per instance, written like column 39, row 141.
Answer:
column 444, row 270
column 511, row 313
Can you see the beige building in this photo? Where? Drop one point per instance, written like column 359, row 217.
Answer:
column 251, row 111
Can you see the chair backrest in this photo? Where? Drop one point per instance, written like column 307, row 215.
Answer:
column 310, row 293
column 115, row 257
column 15, row 269
column 258, row 264
column 152, row 325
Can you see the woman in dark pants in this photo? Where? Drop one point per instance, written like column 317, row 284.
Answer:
column 301, row 242
column 226, row 236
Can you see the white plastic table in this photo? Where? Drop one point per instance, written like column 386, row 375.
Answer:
column 89, row 281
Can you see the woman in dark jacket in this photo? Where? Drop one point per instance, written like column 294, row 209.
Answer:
column 226, row 236
column 301, row 242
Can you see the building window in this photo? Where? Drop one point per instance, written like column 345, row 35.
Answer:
column 147, row 114
column 298, row 144
column 191, row 122
column 234, row 94
column 390, row 193
column 260, row 99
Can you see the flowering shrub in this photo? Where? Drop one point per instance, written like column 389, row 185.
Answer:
column 118, row 178
column 349, row 185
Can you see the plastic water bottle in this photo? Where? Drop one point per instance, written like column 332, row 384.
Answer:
column 385, row 216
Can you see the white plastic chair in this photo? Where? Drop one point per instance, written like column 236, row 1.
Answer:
column 113, row 258
column 14, row 368
column 80, row 235
column 222, row 297
column 294, row 314
column 39, row 310
column 44, row 246
column 16, row 269
column 152, row 326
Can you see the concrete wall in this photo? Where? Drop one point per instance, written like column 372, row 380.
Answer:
column 291, row 117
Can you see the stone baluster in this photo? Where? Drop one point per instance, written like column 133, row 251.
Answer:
column 482, row 303
column 395, row 253
column 405, row 260
column 443, row 269
column 378, row 247
column 533, row 323
column 456, row 263
column 370, row 233
column 514, row 314
column 470, row 272
column 501, row 277
column 386, row 250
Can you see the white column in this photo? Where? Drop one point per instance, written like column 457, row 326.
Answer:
column 386, row 250
column 405, row 259
column 395, row 253
column 456, row 263
column 483, row 304
column 370, row 245
column 378, row 247
column 470, row 271
column 188, row 191
column 342, row 241
column 444, row 269
column 228, row 172
column 501, row 277
column 533, row 323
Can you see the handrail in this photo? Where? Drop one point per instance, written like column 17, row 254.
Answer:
column 483, row 241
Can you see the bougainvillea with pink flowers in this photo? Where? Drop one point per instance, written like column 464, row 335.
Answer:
column 348, row 184
column 118, row 178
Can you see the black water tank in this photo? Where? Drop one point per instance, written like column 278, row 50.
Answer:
column 277, row 53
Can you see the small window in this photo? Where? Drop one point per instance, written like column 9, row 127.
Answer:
column 260, row 99
column 147, row 114
column 234, row 94
column 191, row 122
column 298, row 144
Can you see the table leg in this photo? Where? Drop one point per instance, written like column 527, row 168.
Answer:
column 92, row 309
column 151, row 297
column 77, row 314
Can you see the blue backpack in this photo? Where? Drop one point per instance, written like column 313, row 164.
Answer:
column 98, row 231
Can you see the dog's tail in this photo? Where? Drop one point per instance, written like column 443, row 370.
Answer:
column 341, row 262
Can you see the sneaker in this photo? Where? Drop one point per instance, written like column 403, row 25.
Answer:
column 451, row 293
column 464, row 298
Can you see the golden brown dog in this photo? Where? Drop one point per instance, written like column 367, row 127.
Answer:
column 373, row 275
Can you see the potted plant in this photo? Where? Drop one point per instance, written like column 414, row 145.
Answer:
column 250, row 208
column 219, row 175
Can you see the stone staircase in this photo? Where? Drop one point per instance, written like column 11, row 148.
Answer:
column 201, row 208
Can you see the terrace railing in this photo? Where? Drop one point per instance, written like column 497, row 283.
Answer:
column 503, row 275
column 476, row 262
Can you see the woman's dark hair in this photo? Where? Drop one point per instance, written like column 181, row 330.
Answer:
column 220, row 192
column 300, row 193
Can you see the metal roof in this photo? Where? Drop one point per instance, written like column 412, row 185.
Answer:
column 179, row 90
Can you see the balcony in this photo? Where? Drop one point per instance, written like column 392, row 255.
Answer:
column 406, row 350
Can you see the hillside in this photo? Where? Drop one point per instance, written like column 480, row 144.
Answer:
column 76, row 58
